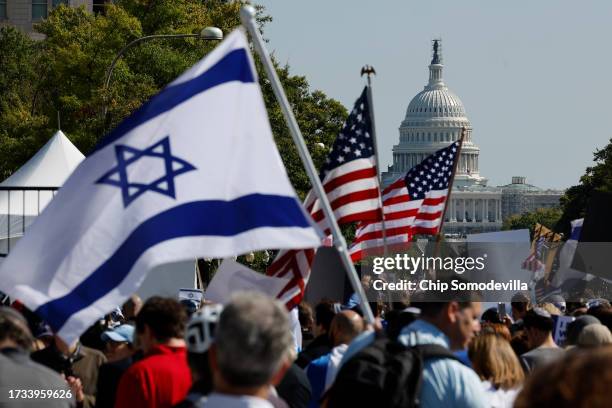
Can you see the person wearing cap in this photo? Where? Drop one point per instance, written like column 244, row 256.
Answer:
column 558, row 301
column 199, row 336
column 118, row 342
column 539, row 326
column 121, row 353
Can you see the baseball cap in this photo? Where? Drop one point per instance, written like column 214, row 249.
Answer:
column 124, row 332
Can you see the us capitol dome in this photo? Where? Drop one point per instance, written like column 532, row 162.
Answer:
column 435, row 117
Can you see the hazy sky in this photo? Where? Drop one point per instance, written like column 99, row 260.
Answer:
column 534, row 76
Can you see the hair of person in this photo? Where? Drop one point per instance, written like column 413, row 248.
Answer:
column 305, row 314
column 494, row 360
column 519, row 343
column 574, row 328
column 603, row 313
column 499, row 329
column 491, row 315
column 164, row 316
column 537, row 320
column 324, row 314
column 132, row 307
column 520, row 301
column 432, row 303
column 594, row 335
column 253, row 339
column 581, row 378
column 14, row 327
column 550, row 308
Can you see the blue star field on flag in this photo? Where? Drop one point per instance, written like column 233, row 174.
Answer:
column 355, row 139
column 433, row 173
column 131, row 190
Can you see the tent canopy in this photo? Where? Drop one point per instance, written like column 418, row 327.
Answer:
column 49, row 167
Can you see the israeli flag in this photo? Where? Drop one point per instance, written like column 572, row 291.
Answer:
column 193, row 173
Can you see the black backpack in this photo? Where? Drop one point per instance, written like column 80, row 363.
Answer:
column 384, row 374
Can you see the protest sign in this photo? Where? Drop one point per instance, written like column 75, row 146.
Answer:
column 560, row 331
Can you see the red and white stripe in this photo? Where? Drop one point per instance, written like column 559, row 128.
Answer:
column 353, row 192
column 403, row 219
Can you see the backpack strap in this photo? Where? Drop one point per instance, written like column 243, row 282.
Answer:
column 435, row 351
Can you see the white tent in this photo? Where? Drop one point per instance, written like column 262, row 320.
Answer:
column 49, row 167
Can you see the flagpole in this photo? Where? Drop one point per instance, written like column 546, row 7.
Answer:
column 368, row 70
column 247, row 15
column 448, row 196
column 450, row 185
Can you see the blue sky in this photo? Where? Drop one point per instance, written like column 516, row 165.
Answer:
column 533, row 75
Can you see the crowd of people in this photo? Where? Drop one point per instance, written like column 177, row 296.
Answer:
column 165, row 353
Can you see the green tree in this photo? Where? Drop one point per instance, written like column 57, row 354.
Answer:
column 22, row 127
column 596, row 177
column 548, row 217
column 65, row 73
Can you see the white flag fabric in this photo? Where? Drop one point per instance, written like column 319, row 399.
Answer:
column 193, row 173
column 232, row 277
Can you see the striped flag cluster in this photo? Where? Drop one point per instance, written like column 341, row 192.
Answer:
column 413, row 205
column 349, row 177
column 543, row 251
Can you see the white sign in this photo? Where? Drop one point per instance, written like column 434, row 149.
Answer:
column 233, row 277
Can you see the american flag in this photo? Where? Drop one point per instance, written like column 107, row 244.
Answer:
column 349, row 177
column 413, row 205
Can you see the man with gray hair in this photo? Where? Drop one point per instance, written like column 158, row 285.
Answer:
column 251, row 353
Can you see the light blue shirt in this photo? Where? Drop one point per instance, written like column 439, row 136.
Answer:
column 446, row 383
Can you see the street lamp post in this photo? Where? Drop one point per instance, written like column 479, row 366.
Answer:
column 208, row 33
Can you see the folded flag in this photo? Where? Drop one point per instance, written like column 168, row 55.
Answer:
column 193, row 173
column 413, row 204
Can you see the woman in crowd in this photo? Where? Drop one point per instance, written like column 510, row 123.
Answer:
column 498, row 367
column 582, row 378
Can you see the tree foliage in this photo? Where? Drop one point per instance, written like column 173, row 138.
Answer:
column 596, row 177
column 548, row 217
column 65, row 73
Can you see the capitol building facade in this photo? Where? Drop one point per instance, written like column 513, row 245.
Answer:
column 435, row 117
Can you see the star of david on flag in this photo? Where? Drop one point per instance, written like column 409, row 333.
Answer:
column 126, row 156
column 192, row 173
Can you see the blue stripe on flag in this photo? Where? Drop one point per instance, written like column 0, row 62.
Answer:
column 235, row 66
column 199, row 218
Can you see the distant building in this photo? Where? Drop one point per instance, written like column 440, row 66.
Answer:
column 23, row 14
column 434, row 118
column 520, row 197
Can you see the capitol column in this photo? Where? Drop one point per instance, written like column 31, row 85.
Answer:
column 473, row 210
column 497, row 211
column 486, row 210
column 482, row 209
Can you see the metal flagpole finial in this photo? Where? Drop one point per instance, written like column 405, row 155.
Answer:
column 368, row 70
